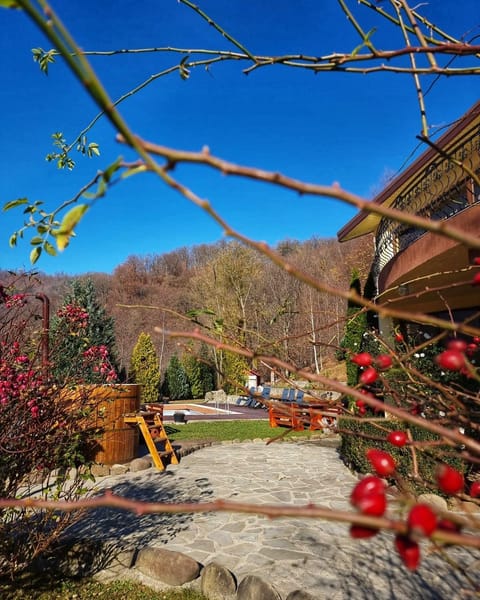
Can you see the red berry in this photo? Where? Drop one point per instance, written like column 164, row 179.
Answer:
column 457, row 344
column 397, row 438
column 475, row 489
column 383, row 361
column 422, row 519
column 452, row 360
column 373, row 504
column 476, row 340
column 449, row 479
column 368, row 496
column 408, row 550
column 447, row 525
column 368, row 485
column 381, row 461
column 471, row 349
column 476, row 260
column 368, row 393
column 476, row 279
column 364, row 359
column 362, row 411
column 359, row 403
column 368, row 376
column 398, row 337
column 361, row 532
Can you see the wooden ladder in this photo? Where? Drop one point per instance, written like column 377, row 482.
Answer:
column 153, row 431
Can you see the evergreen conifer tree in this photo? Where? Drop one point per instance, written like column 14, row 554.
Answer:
column 206, row 369
column 193, row 370
column 144, row 368
column 176, row 380
column 235, row 373
column 82, row 325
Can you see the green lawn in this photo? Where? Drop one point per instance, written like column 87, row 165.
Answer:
column 228, row 430
column 86, row 589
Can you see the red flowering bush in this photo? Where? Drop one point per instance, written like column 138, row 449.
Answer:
column 41, row 446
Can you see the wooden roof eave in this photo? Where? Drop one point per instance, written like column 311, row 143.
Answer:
column 364, row 222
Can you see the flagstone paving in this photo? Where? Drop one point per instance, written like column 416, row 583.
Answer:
column 309, row 554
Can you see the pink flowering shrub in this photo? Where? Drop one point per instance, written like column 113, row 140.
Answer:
column 42, row 447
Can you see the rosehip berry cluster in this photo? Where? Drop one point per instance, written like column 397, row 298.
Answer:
column 371, row 366
column 97, row 358
column 369, row 497
column 15, row 300
column 75, row 315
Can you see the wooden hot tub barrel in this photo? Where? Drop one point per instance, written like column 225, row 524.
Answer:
column 106, row 405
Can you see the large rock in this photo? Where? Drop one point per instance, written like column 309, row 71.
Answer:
column 218, row 583
column 99, row 470
column 434, row 501
column 254, row 588
column 216, row 397
column 172, row 568
column 140, row 464
column 119, row 469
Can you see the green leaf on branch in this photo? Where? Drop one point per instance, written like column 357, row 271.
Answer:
column 12, row 242
column 49, row 249
column 43, row 58
column 93, row 149
column 35, row 254
column 68, row 224
column 13, row 203
column 9, row 4
column 35, row 241
column 111, row 169
column 134, row 171
column 62, row 239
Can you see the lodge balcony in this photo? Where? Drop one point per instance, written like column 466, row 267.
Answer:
column 419, row 270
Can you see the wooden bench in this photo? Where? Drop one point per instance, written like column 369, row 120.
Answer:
column 312, row 416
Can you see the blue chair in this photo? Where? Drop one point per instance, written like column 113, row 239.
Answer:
column 285, row 393
column 266, row 393
column 291, row 395
column 300, row 395
column 251, row 399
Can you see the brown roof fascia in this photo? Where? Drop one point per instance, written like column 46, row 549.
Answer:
column 429, row 154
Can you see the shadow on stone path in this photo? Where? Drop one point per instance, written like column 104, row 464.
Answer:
column 316, row 556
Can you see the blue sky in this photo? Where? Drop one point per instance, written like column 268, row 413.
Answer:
column 325, row 128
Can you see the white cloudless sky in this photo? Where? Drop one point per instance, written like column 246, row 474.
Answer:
column 331, row 127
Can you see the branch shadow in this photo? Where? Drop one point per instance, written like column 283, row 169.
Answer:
column 105, row 535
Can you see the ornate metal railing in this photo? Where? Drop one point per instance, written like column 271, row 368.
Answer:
column 441, row 191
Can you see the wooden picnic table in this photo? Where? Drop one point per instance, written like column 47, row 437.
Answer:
column 305, row 415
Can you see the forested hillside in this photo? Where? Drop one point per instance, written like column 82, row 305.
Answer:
column 233, row 293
